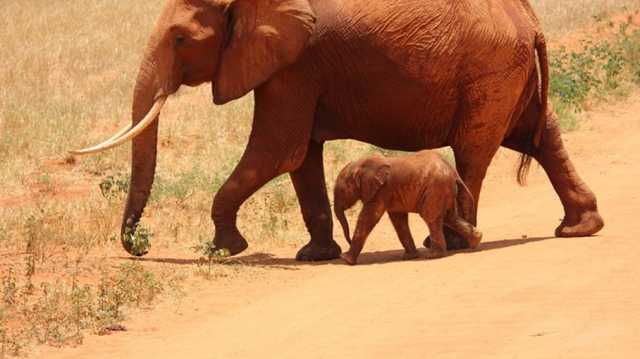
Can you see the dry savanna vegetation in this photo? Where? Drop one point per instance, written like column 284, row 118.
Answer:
column 66, row 75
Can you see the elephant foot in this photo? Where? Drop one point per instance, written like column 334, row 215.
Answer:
column 453, row 239
column 230, row 240
column 410, row 255
column 314, row 251
column 581, row 225
column 349, row 258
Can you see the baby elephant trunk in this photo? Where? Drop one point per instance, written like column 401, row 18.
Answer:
column 343, row 222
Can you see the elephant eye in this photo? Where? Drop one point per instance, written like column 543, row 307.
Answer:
column 180, row 40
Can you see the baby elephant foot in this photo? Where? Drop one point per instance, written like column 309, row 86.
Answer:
column 436, row 253
column 410, row 255
column 475, row 239
column 437, row 250
column 349, row 258
column 453, row 239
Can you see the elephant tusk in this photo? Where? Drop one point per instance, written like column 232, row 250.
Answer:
column 125, row 133
column 111, row 139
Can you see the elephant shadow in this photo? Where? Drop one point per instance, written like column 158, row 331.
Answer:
column 386, row 256
column 268, row 260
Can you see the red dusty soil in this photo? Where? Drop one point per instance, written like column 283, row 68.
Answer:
column 523, row 294
column 63, row 185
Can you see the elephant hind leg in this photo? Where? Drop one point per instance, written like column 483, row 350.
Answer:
column 580, row 205
column 438, row 246
column 581, row 216
column 400, row 221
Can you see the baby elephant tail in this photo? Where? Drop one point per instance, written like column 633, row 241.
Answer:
column 462, row 187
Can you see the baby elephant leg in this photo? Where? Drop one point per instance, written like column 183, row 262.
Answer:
column 465, row 229
column 400, row 223
column 368, row 218
column 438, row 246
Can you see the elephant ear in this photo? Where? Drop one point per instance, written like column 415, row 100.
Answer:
column 265, row 36
column 372, row 178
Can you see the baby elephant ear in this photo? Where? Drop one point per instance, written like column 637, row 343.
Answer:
column 372, row 179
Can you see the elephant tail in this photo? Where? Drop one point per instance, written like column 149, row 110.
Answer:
column 541, row 49
column 543, row 98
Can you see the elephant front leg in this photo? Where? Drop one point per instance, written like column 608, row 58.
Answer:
column 248, row 176
column 278, row 144
column 258, row 165
column 309, row 182
column 368, row 218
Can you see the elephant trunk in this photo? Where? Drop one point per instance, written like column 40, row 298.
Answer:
column 143, row 152
column 339, row 209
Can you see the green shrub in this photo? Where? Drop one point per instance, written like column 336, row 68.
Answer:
column 597, row 72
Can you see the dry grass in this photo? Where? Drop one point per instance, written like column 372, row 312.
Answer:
column 66, row 75
column 562, row 17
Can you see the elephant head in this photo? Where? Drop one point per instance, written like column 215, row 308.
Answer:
column 237, row 45
column 358, row 180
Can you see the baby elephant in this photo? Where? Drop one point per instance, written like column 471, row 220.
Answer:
column 422, row 183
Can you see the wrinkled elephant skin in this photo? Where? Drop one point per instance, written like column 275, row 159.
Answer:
column 422, row 183
column 400, row 74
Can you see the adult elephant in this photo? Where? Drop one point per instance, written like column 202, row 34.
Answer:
column 400, row 74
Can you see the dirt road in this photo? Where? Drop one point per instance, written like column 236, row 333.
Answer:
column 523, row 294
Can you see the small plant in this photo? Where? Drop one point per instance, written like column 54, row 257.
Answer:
column 206, row 248
column 44, row 179
column 138, row 285
column 47, row 316
column 132, row 284
column 30, row 271
column 109, row 302
column 81, row 304
column 36, row 239
column 114, row 186
column 9, row 288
